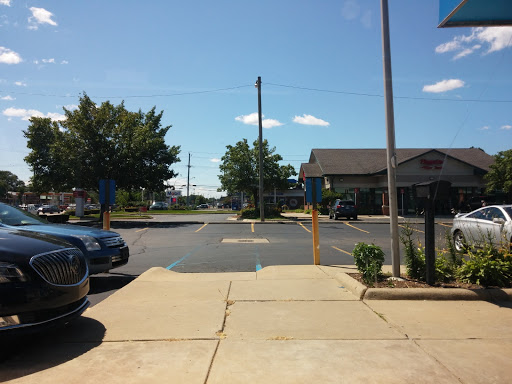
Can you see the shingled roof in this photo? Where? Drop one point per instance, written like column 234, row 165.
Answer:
column 372, row 161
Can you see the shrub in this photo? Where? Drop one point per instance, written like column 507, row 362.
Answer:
column 414, row 256
column 488, row 267
column 254, row 213
column 308, row 211
column 284, row 207
column 369, row 260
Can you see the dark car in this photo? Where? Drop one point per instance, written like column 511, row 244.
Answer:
column 44, row 209
column 202, row 206
column 103, row 250
column 159, row 205
column 343, row 208
column 43, row 282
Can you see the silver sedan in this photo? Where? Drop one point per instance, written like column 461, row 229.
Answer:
column 487, row 224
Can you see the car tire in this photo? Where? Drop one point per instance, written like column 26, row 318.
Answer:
column 335, row 217
column 330, row 215
column 459, row 241
column 355, row 217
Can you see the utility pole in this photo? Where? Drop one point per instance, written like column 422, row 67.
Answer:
column 390, row 140
column 262, row 202
column 188, row 177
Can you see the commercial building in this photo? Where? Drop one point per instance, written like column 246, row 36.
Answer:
column 361, row 175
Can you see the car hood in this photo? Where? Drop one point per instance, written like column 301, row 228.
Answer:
column 69, row 230
column 22, row 245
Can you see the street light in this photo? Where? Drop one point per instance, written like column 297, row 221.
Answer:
column 260, row 140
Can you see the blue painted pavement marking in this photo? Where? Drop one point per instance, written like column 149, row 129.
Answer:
column 258, row 261
column 183, row 258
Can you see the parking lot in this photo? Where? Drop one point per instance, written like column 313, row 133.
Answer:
column 215, row 246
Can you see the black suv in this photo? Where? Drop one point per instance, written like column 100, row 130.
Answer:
column 345, row 208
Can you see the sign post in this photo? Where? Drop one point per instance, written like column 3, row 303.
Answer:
column 107, row 198
column 314, row 195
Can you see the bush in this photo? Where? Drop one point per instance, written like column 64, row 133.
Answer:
column 414, row 256
column 254, row 213
column 369, row 260
column 284, row 207
column 488, row 267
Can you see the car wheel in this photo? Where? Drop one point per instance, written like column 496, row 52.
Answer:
column 330, row 215
column 459, row 241
column 355, row 217
column 335, row 217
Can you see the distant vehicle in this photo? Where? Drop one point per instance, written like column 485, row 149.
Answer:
column 103, row 250
column 202, row 206
column 491, row 223
column 159, row 205
column 344, row 208
column 43, row 282
column 44, row 209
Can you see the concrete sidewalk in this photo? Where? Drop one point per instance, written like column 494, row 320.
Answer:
column 282, row 324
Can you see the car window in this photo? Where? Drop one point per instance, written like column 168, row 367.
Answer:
column 495, row 213
column 13, row 216
column 508, row 210
column 347, row 202
column 477, row 214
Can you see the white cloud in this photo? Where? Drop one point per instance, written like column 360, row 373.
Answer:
column 40, row 16
column 48, row 61
column 310, row 120
column 9, row 57
column 485, row 128
column 507, row 127
column 8, row 97
column 6, row 2
column 494, row 38
column 70, row 107
column 26, row 114
column 444, row 86
column 64, row 62
column 20, row 83
column 214, row 160
column 252, row 119
column 350, row 9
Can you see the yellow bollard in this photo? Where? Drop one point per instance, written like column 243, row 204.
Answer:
column 316, row 238
column 106, row 220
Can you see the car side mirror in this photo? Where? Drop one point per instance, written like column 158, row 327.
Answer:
column 498, row 220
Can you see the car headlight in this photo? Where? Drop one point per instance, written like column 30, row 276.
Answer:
column 11, row 273
column 91, row 244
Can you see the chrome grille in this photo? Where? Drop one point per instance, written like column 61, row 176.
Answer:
column 113, row 242
column 63, row 267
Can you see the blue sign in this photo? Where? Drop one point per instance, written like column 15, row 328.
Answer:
column 474, row 13
column 316, row 184
column 107, row 189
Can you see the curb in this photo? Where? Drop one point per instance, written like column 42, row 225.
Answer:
column 364, row 293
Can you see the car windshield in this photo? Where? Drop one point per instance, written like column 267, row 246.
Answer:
column 16, row 217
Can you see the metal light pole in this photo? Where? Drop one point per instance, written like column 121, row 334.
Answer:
column 188, row 178
column 262, row 203
column 390, row 139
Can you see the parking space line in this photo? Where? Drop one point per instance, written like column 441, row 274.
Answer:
column 140, row 230
column 252, row 227
column 444, row 225
column 183, row 258
column 304, row 227
column 414, row 229
column 341, row 250
column 204, row 225
column 359, row 229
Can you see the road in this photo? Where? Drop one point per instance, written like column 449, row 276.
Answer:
column 240, row 247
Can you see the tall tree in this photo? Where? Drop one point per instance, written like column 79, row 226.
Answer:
column 240, row 169
column 100, row 142
column 9, row 182
column 500, row 175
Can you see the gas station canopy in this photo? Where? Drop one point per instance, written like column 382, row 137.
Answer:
column 474, row 13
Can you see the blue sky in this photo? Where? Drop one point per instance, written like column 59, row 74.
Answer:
column 320, row 63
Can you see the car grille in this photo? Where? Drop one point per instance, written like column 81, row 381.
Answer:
column 113, row 242
column 64, row 267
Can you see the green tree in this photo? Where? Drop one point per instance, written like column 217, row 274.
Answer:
column 240, row 169
column 500, row 175
column 100, row 142
column 9, row 182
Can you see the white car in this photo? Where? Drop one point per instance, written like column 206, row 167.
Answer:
column 492, row 223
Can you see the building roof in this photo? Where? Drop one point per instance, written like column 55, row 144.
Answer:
column 372, row 161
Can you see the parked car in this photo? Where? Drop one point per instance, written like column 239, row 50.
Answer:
column 345, row 208
column 43, row 282
column 103, row 250
column 44, row 209
column 159, row 205
column 202, row 206
column 492, row 223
